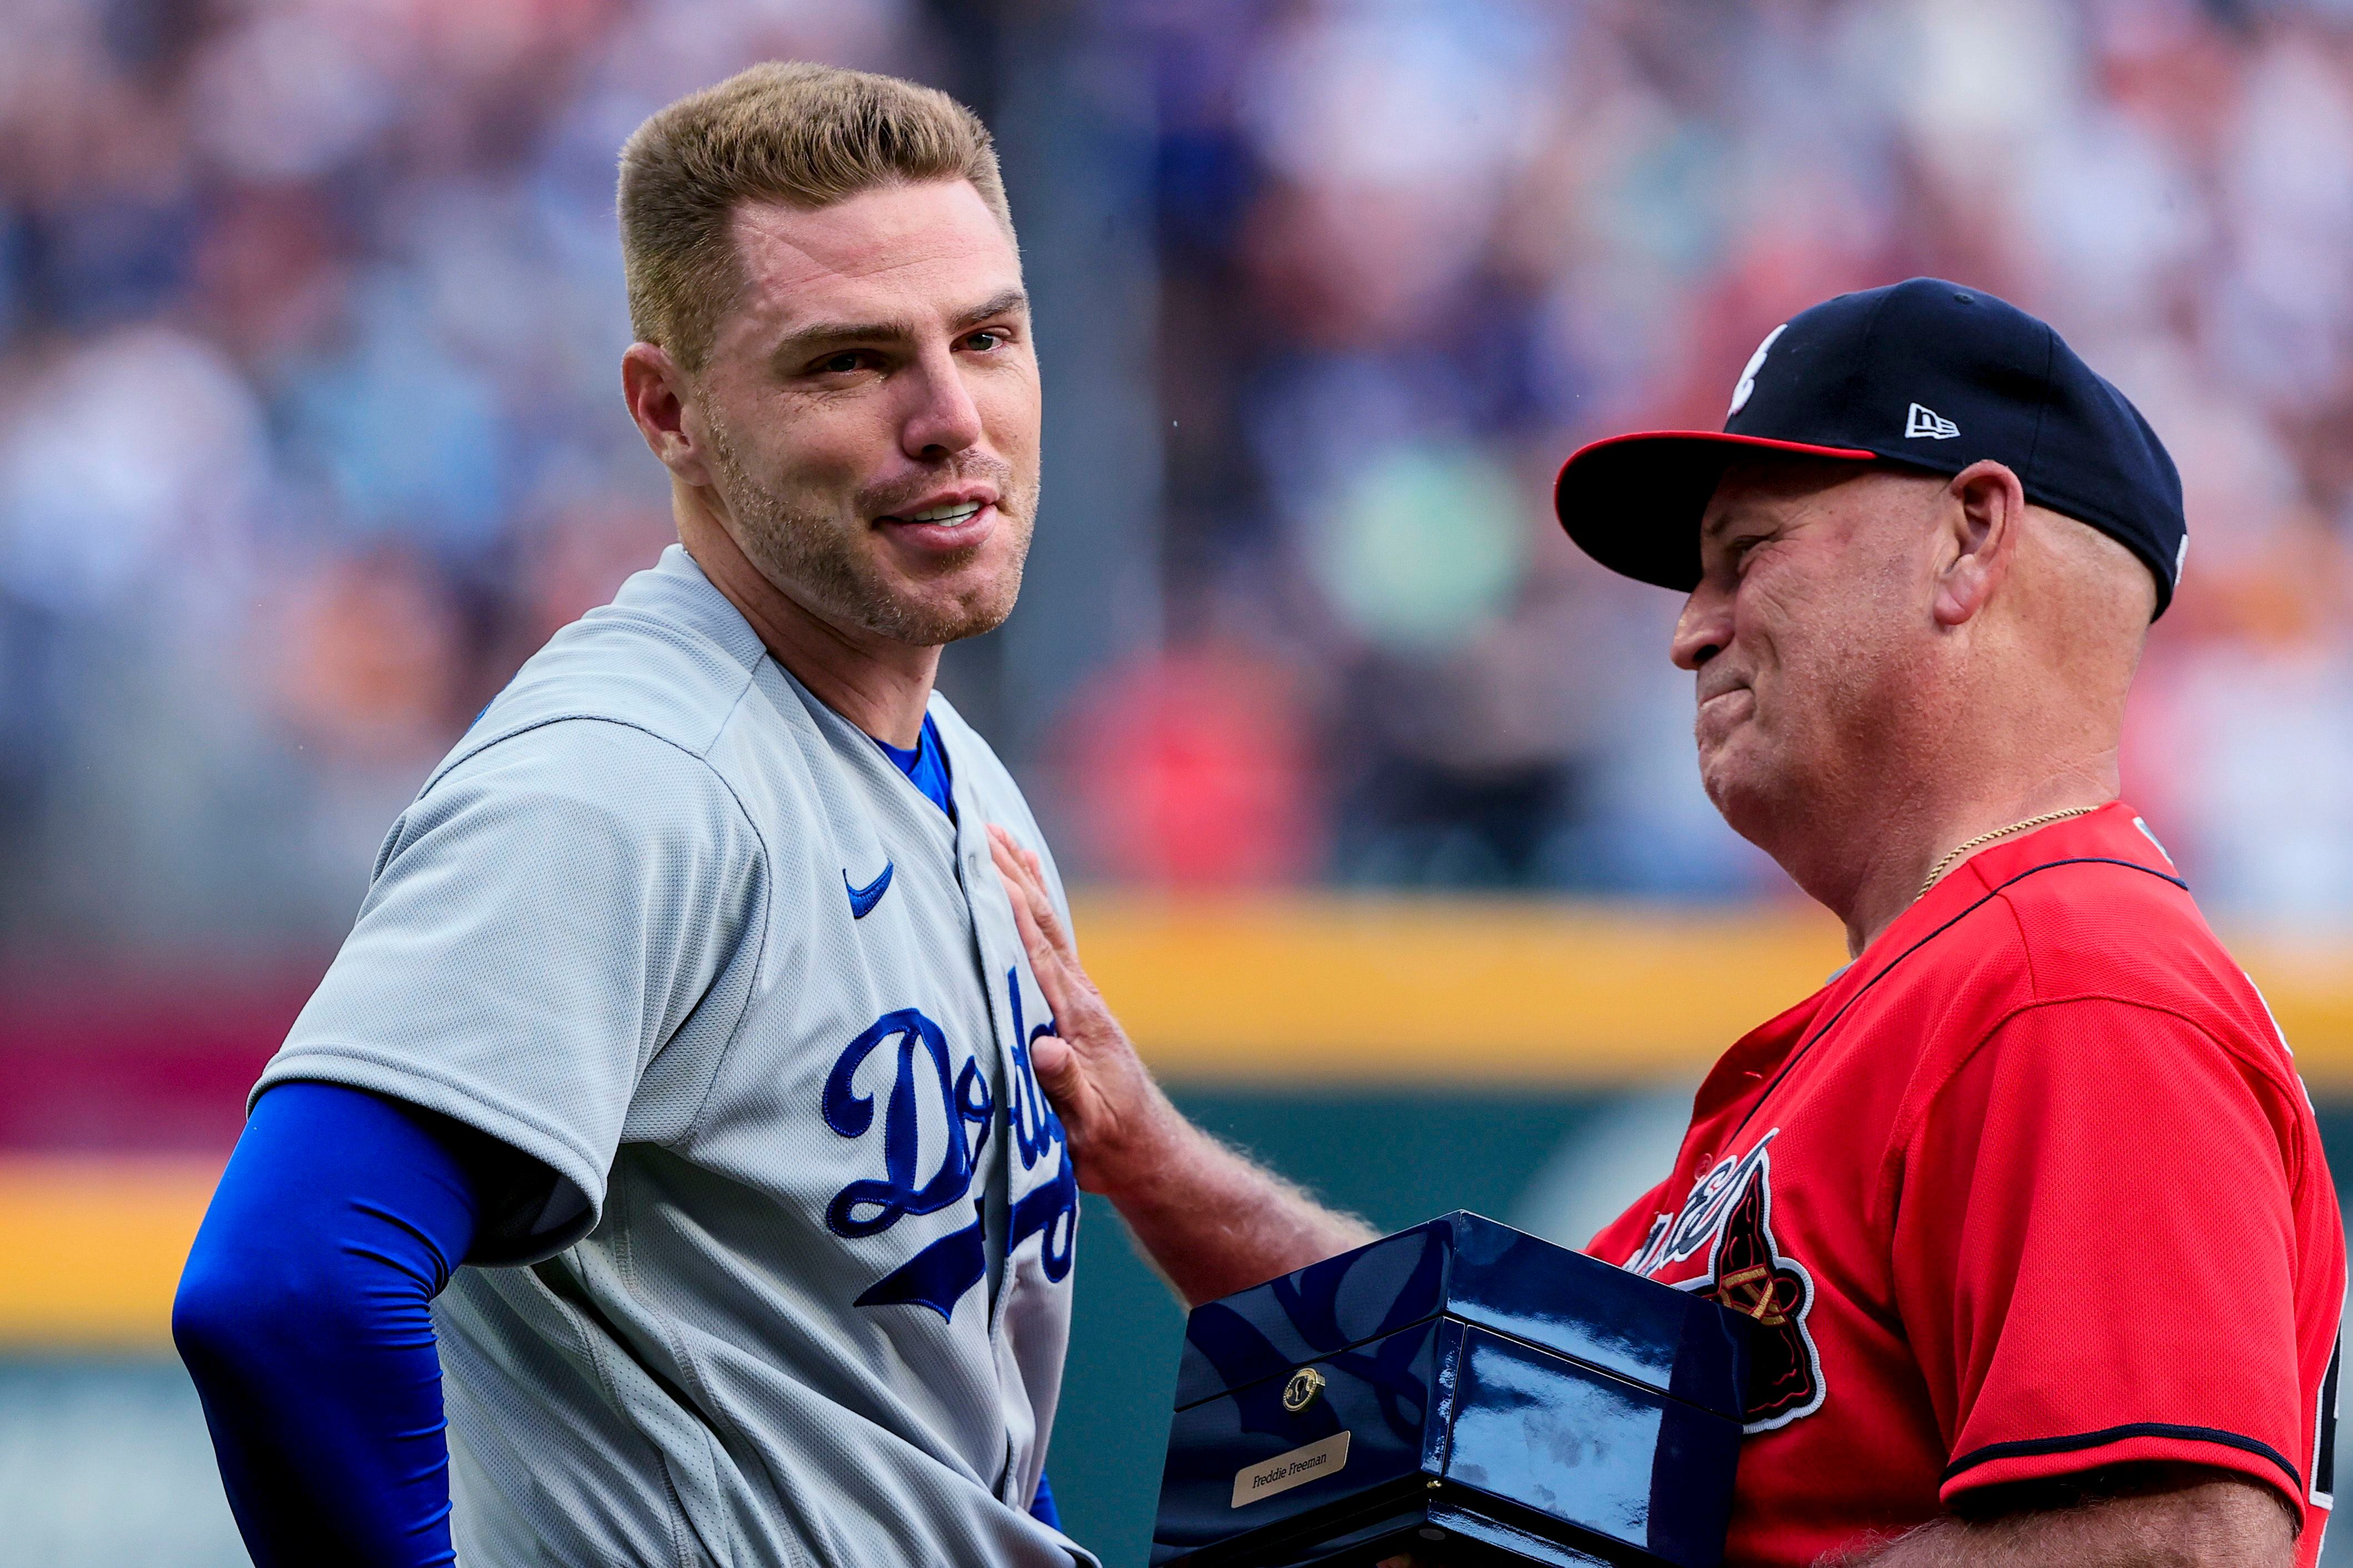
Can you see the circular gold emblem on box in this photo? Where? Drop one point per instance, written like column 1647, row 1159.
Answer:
column 1300, row 1391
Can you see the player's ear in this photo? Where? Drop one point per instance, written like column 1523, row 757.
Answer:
column 1980, row 517
column 655, row 388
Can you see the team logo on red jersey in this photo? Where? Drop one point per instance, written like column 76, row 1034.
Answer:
column 1730, row 1213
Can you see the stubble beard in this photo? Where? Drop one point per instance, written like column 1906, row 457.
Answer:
column 811, row 556
column 1812, row 784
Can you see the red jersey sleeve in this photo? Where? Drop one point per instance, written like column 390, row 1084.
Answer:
column 2096, row 1253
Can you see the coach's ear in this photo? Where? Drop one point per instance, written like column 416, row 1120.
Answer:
column 1981, row 515
column 654, row 387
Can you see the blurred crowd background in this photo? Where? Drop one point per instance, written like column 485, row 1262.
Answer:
column 310, row 432
column 308, row 428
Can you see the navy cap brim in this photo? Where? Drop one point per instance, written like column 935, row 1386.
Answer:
column 1634, row 502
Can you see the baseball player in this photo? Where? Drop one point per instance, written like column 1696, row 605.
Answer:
column 668, row 1117
column 2027, row 1203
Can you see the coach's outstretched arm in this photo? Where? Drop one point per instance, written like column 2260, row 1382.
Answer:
column 2135, row 1516
column 1212, row 1221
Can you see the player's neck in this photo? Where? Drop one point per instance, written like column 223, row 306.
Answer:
column 881, row 686
column 1916, row 841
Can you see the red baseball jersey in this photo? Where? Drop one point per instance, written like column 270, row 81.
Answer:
column 2030, row 1188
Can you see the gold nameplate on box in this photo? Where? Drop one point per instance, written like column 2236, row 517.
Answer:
column 1295, row 1468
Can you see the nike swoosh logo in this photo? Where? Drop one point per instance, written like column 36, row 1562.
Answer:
column 864, row 899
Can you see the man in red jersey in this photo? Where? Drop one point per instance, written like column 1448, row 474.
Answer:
column 2028, row 1205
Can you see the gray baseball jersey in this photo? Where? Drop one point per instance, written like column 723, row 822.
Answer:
column 666, row 923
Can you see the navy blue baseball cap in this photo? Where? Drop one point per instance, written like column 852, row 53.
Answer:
column 1923, row 372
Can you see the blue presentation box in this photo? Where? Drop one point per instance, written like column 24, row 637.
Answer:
column 1463, row 1392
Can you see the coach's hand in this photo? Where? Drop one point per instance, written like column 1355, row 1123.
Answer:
column 1211, row 1220
column 1111, row 1109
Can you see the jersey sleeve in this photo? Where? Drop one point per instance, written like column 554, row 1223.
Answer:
column 2096, row 1253
column 541, row 925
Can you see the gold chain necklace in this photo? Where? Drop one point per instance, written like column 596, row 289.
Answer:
column 2045, row 820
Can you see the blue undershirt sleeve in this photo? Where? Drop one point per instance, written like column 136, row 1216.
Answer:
column 1041, row 1506
column 304, row 1317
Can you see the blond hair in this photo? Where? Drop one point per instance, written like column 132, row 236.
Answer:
column 806, row 136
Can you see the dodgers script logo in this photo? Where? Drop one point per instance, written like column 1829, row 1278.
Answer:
column 938, row 1276
column 1730, row 1215
column 933, row 1103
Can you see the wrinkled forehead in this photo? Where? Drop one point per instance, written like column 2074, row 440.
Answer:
column 908, row 257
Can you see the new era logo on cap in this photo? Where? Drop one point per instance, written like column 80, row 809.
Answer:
column 1927, row 421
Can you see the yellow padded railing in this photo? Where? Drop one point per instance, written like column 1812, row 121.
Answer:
column 93, row 1247
column 1309, row 992
column 1336, row 989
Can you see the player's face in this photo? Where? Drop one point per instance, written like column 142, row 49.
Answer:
column 1804, row 636
column 871, row 410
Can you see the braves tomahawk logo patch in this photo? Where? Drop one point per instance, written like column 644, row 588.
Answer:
column 1749, row 1275
column 1730, row 1214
